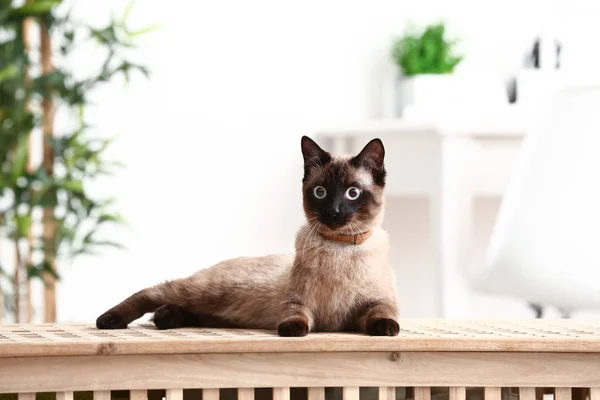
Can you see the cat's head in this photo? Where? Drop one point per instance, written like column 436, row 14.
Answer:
column 343, row 194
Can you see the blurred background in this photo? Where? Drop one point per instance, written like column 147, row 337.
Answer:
column 209, row 141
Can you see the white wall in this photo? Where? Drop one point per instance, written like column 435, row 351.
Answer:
column 211, row 142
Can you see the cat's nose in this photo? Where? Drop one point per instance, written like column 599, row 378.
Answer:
column 335, row 216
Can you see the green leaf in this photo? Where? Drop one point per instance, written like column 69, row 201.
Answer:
column 109, row 218
column 88, row 238
column 83, row 251
column 31, row 9
column 45, row 198
column 4, row 8
column 143, row 31
column 108, row 243
column 8, row 72
column 73, row 185
column 127, row 10
column 23, row 225
column 20, row 161
column 41, row 270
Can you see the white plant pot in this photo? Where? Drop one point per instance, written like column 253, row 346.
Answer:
column 426, row 91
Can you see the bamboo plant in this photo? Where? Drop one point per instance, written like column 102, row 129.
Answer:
column 46, row 213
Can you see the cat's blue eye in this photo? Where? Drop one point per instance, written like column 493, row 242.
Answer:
column 320, row 192
column 352, row 193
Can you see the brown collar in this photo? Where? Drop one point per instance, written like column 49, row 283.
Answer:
column 354, row 239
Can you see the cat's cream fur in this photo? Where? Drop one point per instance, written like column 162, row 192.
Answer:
column 326, row 286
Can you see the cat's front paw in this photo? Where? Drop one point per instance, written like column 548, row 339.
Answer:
column 111, row 320
column 293, row 328
column 168, row 317
column 382, row 327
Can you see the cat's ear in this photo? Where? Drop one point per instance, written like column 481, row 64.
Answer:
column 371, row 158
column 314, row 156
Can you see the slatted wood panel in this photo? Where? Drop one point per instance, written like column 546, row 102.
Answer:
column 176, row 394
column 563, row 393
column 133, row 395
column 210, row 394
column 351, row 393
column 493, row 393
column 316, row 393
column 457, row 393
column 283, row 393
column 386, row 393
column 244, row 394
column 471, row 360
column 422, row 393
column 416, row 335
column 527, row 393
column 102, row 395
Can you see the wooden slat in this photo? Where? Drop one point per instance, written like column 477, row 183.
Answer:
column 595, row 393
column 527, row 393
column 136, row 395
column 458, row 393
column 351, row 393
column 281, row 393
column 493, row 393
column 245, row 394
column 316, row 393
column 371, row 369
column 26, row 396
column 210, row 394
column 175, row 394
column 69, row 396
column 387, row 393
column 561, row 393
column 102, row 395
column 429, row 335
column 422, row 393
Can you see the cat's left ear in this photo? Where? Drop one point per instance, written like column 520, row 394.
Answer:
column 314, row 156
column 371, row 158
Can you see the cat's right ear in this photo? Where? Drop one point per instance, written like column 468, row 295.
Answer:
column 314, row 156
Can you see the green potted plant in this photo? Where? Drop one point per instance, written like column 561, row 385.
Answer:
column 427, row 61
column 47, row 214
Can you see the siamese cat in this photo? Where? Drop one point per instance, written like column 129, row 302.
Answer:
column 339, row 278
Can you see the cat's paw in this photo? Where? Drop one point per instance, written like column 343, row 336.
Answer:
column 293, row 328
column 382, row 327
column 111, row 320
column 169, row 317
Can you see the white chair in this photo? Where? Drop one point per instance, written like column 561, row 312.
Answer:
column 545, row 246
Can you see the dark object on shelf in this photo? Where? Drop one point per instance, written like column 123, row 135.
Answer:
column 511, row 90
column 538, row 309
column 534, row 57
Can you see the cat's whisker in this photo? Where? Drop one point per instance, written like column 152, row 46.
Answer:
column 355, row 228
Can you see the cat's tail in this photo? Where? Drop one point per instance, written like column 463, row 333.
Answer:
column 177, row 292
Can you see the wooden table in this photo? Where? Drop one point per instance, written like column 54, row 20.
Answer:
column 449, row 162
column 456, row 354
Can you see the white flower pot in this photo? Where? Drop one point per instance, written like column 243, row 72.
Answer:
column 426, row 91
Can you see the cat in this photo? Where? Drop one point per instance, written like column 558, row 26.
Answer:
column 338, row 280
